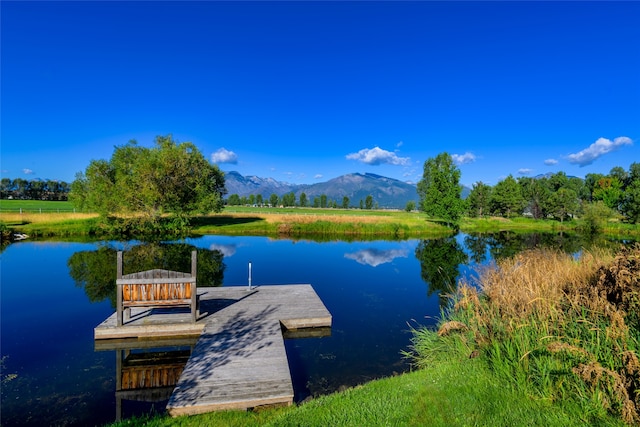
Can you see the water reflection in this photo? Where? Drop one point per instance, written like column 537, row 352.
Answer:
column 147, row 370
column 48, row 320
column 95, row 271
column 439, row 262
column 375, row 257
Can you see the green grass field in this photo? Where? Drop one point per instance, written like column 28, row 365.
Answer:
column 31, row 206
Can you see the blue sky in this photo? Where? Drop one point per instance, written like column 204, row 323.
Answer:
column 306, row 91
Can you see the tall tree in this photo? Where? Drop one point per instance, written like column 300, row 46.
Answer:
column 6, row 186
column 479, row 199
column 273, row 200
column 507, row 199
column 303, row 200
column 536, row 193
column 609, row 190
column 564, row 203
column 630, row 204
column 323, row 200
column 289, row 199
column 169, row 178
column 440, row 190
column 368, row 202
column 345, row 202
column 591, row 182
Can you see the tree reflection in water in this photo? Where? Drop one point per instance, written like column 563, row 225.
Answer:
column 95, row 271
column 439, row 263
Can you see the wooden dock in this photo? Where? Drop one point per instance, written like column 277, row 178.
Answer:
column 239, row 360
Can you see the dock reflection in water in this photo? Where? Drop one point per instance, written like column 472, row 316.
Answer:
column 147, row 370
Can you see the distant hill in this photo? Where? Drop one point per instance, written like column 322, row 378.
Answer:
column 386, row 192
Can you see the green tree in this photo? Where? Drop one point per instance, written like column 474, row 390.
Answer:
column 595, row 216
column 368, row 202
column 507, row 199
column 303, row 200
column 259, row 200
column 479, row 199
column 273, row 200
column 345, row 202
column 590, row 183
column 289, row 199
column 630, row 205
column 620, row 174
column 557, row 181
column 323, row 200
column 5, row 187
column 634, row 172
column 609, row 190
column 564, row 203
column 233, row 200
column 170, row 178
column 410, row 206
column 440, row 190
column 536, row 193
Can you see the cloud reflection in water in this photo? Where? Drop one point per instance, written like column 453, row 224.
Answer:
column 375, row 257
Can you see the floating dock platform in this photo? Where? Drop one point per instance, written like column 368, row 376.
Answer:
column 239, row 360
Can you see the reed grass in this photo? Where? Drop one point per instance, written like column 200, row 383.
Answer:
column 553, row 326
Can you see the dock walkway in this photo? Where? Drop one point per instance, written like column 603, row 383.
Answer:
column 239, row 360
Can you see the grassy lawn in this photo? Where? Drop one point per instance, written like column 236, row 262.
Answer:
column 35, row 206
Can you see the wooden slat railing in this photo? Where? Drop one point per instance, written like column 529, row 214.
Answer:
column 156, row 288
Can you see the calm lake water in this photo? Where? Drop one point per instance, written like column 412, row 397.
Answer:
column 53, row 294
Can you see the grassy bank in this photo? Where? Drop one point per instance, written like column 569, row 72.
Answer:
column 42, row 219
column 452, row 392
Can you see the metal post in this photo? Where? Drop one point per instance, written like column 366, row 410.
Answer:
column 119, row 290
column 249, row 275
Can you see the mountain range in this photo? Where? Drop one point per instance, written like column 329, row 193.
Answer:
column 386, row 192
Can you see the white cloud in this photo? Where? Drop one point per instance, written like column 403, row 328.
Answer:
column 224, row 156
column 464, row 158
column 318, row 176
column 599, row 148
column 377, row 156
column 27, row 171
column 525, row 171
column 550, row 162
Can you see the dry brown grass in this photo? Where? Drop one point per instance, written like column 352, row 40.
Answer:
column 39, row 218
column 288, row 218
column 537, row 281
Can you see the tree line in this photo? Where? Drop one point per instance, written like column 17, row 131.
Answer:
column 289, row 200
column 34, row 189
column 555, row 196
column 147, row 189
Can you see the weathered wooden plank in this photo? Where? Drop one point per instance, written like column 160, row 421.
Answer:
column 154, row 280
column 239, row 360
